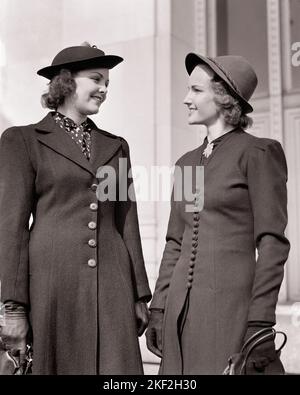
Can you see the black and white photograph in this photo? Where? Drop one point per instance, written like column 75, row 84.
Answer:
column 149, row 190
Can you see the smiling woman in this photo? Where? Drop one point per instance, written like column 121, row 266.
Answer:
column 74, row 283
column 212, row 293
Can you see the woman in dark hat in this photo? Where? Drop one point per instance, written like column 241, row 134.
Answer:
column 212, row 293
column 75, row 280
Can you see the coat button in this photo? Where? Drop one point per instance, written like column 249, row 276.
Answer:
column 94, row 187
column 92, row 225
column 189, row 285
column 193, row 257
column 92, row 243
column 191, row 270
column 190, row 278
column 192, row 264
column 196, row 217
column 94, row 206
column 195, row 238
column 196, row 225
column 194, row 251
column 194, row 244
column 195, row 231
column 92, row 263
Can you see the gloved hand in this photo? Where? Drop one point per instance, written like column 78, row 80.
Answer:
column 14, row 332
column 263, row 359
column 154, row 332
column 142, row 316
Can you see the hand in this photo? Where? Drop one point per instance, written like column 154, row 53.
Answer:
column 154, row 332
column 142, row 316
column 14, row 333
column 263, row 359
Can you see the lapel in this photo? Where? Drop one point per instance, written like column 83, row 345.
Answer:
column 103, row 146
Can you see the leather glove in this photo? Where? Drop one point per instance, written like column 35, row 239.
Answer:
column 154, row 332
column 142, row 316
column 263, row 359
column 14, row 331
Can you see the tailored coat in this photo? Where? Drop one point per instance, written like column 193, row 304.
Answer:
column 211, row 254
column 79, row 268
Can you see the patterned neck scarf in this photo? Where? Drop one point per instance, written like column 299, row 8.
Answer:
column 81, row 134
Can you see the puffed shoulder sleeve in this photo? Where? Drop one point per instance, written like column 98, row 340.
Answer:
column 128, row 225
column 267, row 178
column 16, row 200
column 171, row 253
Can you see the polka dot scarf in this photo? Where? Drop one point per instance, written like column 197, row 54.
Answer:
column 81, row 134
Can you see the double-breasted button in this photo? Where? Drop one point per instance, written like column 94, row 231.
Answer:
column 194, row 244
column 94, row 206
column 195, row 238
column 92, row 263
column 196, row 225
column 94, row 187
column 191, row 271
column 194, row 250
column 92, row 243
column 196, row 217
column 195, row 231
column 193, row 257
column 92, row 225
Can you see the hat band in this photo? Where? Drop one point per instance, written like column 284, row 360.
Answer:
column 227, row 75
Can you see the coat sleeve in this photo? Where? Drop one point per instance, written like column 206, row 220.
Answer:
column 128, row 225
column 170, row 257
column 16, row 200
column 267, row 177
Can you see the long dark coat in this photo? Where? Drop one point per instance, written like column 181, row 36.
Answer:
column 212, row 254
column 80, row 267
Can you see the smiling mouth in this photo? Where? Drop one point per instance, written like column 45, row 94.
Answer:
column 99, row 99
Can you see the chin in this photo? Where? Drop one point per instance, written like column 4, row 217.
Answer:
column 92, row 111
column 193, row 122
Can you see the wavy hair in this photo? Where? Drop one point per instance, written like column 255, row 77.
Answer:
column 61, row 86
column 230, row 106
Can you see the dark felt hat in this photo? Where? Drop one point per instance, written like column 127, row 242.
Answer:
column 235, row 71
column 79, row 58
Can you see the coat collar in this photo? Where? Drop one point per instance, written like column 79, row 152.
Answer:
column 103, row 146
column 219, row 142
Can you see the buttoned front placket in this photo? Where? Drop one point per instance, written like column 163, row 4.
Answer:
column 196, row 218
column 93, row 225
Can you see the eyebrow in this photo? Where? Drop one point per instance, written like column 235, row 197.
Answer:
column 100, row 75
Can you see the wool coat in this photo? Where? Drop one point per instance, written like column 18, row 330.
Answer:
column 211, row 254
column 79, row 268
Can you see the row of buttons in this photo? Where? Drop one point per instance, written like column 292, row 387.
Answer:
column 196, row 218
column 92, row 225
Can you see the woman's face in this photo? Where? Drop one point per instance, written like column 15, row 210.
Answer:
column 200, row 98
column 91, row 90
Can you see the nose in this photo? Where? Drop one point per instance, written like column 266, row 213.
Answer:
column 187, row 100
column 103, row 89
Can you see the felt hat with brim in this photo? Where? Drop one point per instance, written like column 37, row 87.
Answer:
column 235, row 71
column 79, row 58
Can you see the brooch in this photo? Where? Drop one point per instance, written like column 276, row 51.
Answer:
column 208, row 150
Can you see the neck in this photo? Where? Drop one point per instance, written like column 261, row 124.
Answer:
column 71, row 113
column 217, row 130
